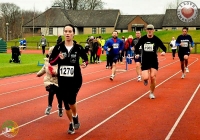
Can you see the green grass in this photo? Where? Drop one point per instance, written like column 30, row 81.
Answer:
column 29, row 61
column 165, row 36
column 28, row 64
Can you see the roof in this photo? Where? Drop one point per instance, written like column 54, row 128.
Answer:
column 156, row 20
column 93, row 18
column 57, row 17
column 124, row 20
column 171, row 19
column 53, row 17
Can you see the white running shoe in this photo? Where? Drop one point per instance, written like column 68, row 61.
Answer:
column 186, row 69
column 151, row 95
column 112, row 77
column 139, row 79
column 183, row 76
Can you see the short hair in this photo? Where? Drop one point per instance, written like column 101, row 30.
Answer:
column 73, row 28
column 186, row 28
column 115, row 31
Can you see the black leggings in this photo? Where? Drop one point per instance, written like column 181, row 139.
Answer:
column 43, row 49
column 108, row 60
column 53, row 89
column 173, row 52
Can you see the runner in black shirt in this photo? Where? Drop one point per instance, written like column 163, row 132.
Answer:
column 183, row 42
column 149, row 45
column 67, row 55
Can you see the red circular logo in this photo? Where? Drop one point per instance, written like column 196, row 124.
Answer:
column 187, row 11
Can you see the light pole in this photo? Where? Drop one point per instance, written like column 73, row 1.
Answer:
column 7, row 24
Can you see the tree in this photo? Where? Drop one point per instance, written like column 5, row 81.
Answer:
column 12, row 14
column 80, row 4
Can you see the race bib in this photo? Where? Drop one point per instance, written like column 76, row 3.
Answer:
column 42, row 43
column 66, row 71
column 148, row 47
column 184, row 44
column 115, row 45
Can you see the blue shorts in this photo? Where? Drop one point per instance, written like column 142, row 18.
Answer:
column 114, row 58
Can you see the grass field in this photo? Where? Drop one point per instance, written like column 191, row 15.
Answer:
column 165, row 36
column 28, row 64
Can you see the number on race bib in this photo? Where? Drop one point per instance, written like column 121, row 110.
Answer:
column 67, row 71
column 148, row 47
column 185, row 44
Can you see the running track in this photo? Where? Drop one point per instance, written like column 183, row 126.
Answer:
column 109, row 110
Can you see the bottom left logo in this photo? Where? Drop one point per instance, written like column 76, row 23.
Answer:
column 10, row 128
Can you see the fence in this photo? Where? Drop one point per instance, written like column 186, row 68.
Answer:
column 35, row 45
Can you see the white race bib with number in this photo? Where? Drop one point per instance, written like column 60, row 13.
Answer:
column 115, row 45
column 66, row 71
column 148, row 47
column 42, row 43
column 184, row 44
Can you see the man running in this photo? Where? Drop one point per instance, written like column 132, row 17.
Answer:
column 138, row 61
column 115, row 46
column 149, row 45
column 183, row 42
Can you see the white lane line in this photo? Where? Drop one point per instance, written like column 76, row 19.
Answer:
column 83, row 100
column 23, row 102
column 181, row 115
column 119, row 111
column 47, row 94
column 19, row 81
column 83, row 83
column 89, row 73
column 21, row 89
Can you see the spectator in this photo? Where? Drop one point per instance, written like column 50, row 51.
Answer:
column 24, row 43
column 43, row 42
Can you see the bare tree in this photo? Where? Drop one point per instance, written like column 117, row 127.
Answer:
column 10, row 14
column 80, row 4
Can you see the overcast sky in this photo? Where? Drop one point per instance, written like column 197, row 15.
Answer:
column 127, row 7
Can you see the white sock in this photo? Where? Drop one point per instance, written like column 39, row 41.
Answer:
column 75, row 115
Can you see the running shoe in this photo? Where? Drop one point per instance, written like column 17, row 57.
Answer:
column 60, row 112
column 139, row 79
column 151, row 96
column 107, row 67
column 71, row 129
column 112, row 77
column 48, row 110
column 183, row 76
column 145, row 82
column 186, row 69
column 76, row 122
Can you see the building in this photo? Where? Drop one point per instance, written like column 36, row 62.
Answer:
column 52, row 21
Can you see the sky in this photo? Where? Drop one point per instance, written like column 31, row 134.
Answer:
column 126, row 7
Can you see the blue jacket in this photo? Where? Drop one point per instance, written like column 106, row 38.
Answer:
column 116, row 45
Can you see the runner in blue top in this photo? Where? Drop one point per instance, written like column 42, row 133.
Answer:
column 115, row 46
column 183, row 42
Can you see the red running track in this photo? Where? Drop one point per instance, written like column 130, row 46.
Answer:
column 118, row 109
